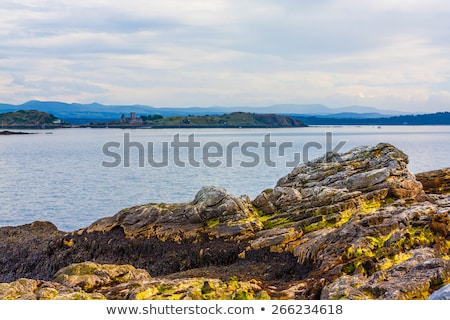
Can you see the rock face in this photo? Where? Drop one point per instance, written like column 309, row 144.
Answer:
column 93, row 281
column 436, row 181
column 29, row 244
column 337, row 183
column 356, row 225
column 212, row 207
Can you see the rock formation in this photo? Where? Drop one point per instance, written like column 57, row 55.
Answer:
column 436, row 181
column 356, row 225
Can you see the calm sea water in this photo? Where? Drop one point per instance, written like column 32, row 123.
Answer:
column 60, row 175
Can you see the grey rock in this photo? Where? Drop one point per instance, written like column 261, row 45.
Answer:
column 441, row 294
column 435, row 181
column 212, row 211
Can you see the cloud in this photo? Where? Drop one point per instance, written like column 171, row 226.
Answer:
column 179, row 53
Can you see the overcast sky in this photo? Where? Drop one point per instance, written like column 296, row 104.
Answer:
column 390, row 54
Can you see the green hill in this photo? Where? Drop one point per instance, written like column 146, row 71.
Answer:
column 232, row 120
column 28, row 118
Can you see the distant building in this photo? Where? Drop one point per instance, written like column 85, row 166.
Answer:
column 131, row 120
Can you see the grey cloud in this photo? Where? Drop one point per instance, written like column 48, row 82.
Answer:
column 58, row 87
column 255, row 50
column 88, row 20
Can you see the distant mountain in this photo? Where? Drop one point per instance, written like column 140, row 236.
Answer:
column 367, row 110
column 345, row 115
column 76, row 112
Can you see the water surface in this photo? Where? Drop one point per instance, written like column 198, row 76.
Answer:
column 59, row 177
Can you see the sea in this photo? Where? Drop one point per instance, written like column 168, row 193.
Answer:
column 75, row 176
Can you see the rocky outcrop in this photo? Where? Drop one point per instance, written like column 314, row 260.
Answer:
column 93, row 281
column 356, row 225
column 212, row 212
column 322, row 190
column 25, row 250
column 436, row 181
column 9, row 133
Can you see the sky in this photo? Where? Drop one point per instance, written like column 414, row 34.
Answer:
column 389, row 54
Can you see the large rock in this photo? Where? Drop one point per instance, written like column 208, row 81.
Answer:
column 397, row 252
column 25, row 249
column 336, row 186
column 213, row 211
column 89, row 275
column 406, row 276
column 29, row 289
column 188, row 289
column 435, row 181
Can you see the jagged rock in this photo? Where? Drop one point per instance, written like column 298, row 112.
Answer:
column 414, row 278
column 26, row 243
column 351, row 182
column 188, row 289
column 88, row 281
column 436, row 181
column 380, row 245
column 276, row 239
column 89, row 275
column 212, row 211
column 29, row 289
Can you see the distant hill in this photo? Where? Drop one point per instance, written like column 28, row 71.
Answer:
column 28, row 118
column 235, row 119
column 439, row 118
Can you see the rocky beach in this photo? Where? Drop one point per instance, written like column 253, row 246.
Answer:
column 355, row 225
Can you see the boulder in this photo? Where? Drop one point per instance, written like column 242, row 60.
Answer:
column 29, row 289
column 213, row 211
column 89, row 275
column 410, row 276
column 93, row 281
column 330, row 189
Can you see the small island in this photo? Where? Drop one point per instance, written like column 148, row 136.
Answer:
column 29, row 119
column 231, row 120
column 9, row 133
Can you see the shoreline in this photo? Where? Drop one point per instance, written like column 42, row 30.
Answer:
column 8, row 133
